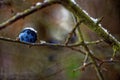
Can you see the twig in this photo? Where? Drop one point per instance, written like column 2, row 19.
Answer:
column 76, row 10
column 83, row 66
column 35, row 44
column 89, row 54
column 82, row 15
column 26, row 13
column 43, row 44
column 94, row 42
column 108, row 61
column 78, row 50
column 84, row 53
column 99, row 20
column 86, row 59
column 114, row 52
column 72, row 32
column 70, row 46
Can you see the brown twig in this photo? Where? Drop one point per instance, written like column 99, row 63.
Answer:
column 72, row 32
column 82, row 15
column 26, row 12
column 83, row 66
column 108, row 61
column 70, row 46
column 90, row 54
column 42, row 44
column 77, row 11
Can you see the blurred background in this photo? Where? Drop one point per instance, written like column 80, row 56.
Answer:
column 19, row 62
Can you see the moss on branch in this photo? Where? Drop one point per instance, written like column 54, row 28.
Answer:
column 81, row 15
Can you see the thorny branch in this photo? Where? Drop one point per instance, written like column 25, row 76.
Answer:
column 108, row 61
column 93, row 25
column 48, row 44
column 81, row 15
column 77, row 11
column 72, row 32
column 26, row 13
column 89, row 54
column 83, row 66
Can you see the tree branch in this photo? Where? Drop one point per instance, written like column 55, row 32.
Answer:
column 70, row 46
column 90, row 54
column 90, row 22
column 26, row 13
column 77, row 11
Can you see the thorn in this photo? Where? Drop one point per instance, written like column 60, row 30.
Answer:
column 12, row 11
column 111, row 59
column 99, row 20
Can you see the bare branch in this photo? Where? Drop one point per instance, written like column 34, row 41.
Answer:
column 108, row 61
column 26, row 12
column 83, row 66
column 89, row 54
column 83, row 15
column 72, row 32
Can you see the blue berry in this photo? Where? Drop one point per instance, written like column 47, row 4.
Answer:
column 28, row 35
